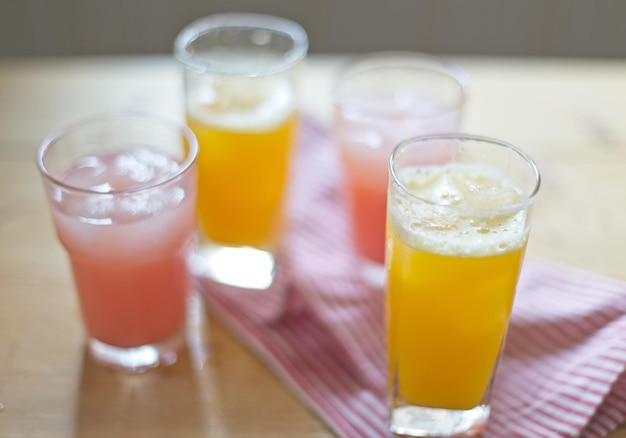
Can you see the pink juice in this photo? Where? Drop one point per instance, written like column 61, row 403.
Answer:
column 128, row 249
column 368, row 129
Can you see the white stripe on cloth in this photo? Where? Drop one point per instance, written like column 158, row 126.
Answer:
column 322, row 331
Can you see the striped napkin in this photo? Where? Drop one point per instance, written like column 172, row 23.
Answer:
column 321, row 329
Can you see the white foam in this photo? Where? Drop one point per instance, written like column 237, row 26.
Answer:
column 244, row 104
column 465, row 213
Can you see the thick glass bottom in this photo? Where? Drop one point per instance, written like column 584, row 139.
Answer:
column 416, row 421
column 137, row 359
column 243, row 266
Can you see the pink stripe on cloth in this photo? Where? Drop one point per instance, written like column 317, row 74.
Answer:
column 321, row 329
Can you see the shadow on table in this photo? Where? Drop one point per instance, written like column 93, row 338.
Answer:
column 179, row 400
column 228, row 392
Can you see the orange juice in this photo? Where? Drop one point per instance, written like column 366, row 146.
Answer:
column 245, row 133
column 451, row 282
column 242, row 181
column 448, row 317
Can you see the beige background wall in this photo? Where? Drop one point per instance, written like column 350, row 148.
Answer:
column 595, row 28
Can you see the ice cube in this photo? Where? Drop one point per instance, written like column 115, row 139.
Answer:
column 142, row 165
column 434, row 223
column 88, row 173
column 433, row 185
column 481, row 192
column 96, row 205
column 367, row 138
column 148, row 202
column 141, row 203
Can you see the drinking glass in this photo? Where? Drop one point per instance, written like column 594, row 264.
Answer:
column 458, row 221
column 240, row 74
column 122, row 193
column 381, row 99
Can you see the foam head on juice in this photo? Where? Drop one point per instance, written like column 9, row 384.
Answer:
column 128, row 247
column 245, row 129
column 453, row 262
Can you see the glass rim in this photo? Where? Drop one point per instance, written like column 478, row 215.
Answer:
column 184, row 166
column 400, row 58
column 523, row 204
column 277, row 25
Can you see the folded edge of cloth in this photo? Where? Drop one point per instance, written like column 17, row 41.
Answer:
column 562, row 371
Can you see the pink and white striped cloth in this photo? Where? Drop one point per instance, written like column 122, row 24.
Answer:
column 321, row 329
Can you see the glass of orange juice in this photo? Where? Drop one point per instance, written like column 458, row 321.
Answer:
column 458, row 220
column 122, row 192
column 241, row 74
column 381, row 99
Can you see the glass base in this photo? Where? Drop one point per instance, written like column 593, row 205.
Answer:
column 430, row 422
column 137, row 359
column 243, row 266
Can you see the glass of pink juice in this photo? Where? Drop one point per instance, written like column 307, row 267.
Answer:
column 122, row 192
column 381, row 99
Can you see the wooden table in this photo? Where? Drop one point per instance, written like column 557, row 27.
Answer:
column 569, row 114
